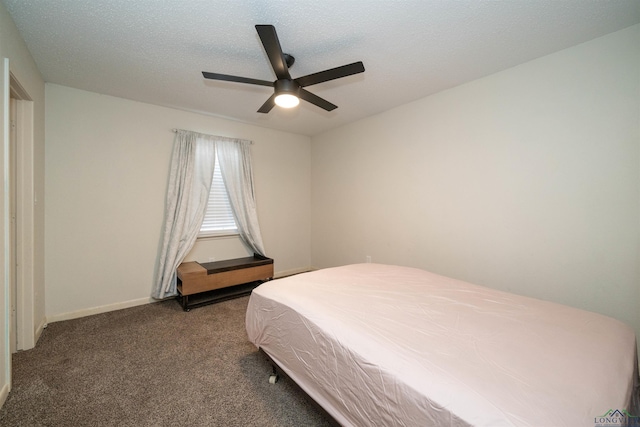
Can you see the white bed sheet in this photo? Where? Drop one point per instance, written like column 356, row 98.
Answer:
column 385, row 345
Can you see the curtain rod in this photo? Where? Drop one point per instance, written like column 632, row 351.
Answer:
column 174, row 130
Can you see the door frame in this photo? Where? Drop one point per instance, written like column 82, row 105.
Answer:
column 25, row 199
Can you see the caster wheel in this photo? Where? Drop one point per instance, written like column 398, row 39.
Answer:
column 273, row 379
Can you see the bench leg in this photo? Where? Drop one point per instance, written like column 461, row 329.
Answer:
column 184, row 301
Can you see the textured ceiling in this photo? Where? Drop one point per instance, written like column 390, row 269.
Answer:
column 154, row 51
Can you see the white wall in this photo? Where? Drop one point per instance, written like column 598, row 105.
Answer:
column 527, row 180
column 107, row 163
column 24, row 70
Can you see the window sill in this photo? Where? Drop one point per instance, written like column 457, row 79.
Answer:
column 227, row 235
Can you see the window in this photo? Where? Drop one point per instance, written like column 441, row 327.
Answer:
column 219, row 217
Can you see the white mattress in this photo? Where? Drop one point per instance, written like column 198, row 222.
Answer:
column 386, row 345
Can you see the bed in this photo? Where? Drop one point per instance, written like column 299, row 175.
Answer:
column 382, row 345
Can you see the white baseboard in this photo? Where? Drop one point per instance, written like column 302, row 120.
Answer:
column 30, row 342
column 97, row 310
column 39, row 330
column 4, row 393
column 132, row 303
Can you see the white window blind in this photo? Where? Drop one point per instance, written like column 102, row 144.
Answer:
column 219, row 217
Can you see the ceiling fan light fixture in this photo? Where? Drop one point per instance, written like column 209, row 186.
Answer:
column 286, row 93
column 287, row 100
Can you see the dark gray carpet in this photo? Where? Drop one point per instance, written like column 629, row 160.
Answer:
column 152, row 365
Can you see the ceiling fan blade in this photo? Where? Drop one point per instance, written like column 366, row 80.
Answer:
column 332, row 74
column 267, row 106
column 272, row 47
column 316, row 100
column 228, row 78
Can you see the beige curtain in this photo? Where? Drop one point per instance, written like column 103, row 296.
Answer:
column 189, row 184
column 234, row 157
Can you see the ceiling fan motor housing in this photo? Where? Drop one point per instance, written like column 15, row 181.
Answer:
column 287, row 86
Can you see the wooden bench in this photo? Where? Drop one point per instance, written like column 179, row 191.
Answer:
column 221, row 280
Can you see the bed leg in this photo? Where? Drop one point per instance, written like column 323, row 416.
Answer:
column 273, row 378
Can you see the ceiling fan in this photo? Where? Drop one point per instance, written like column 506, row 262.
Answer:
column 287, row 91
